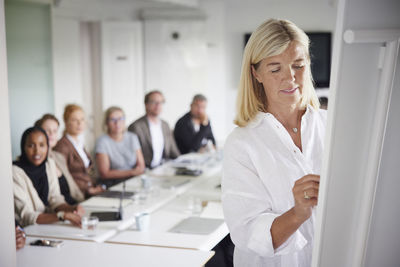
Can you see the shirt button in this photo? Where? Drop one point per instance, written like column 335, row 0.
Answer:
column 277, row 126
column 294, row 151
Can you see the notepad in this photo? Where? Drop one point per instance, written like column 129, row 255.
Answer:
column 197, row 225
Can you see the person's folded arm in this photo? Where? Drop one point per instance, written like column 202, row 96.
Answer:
column 105, row 171
column 187, row 139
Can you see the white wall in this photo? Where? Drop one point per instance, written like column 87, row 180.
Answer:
column 7, row 232
column 30, row 73
column 216, row 84
column 111, row 10
column 122, row 67
column 177, row 67
column 195, row 63
column 66, row 64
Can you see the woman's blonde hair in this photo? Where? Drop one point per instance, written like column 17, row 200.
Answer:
column 108, row 113
column 270, row 39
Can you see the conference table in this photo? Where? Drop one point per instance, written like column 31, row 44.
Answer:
column 171, row 201
column 81, row 253
column 177, row 210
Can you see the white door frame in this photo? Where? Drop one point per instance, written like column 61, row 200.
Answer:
column 7, row 230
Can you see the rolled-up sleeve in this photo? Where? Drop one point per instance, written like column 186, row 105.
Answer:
column 247, row 204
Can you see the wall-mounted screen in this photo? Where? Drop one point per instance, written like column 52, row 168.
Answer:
column 320, row 50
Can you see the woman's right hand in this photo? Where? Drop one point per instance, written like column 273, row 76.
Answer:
column 203, row 119
column 74, row 218
column 307, row 186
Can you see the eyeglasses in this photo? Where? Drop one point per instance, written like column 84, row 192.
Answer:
column 116, row 120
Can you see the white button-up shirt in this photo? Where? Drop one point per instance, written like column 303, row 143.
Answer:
column 261, row 165
column 157, row 142
column 79, row 147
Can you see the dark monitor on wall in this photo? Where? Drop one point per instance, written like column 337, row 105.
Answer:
column 320, row 51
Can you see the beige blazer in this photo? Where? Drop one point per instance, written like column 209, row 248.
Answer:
column 81, row 174
column 61, row 163
column 141, row 128
column 27, row 203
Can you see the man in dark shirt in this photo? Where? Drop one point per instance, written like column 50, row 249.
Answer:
column 193, row 131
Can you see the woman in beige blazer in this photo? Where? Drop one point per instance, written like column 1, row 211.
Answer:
column 37, row 197
column 71, row 145
column 68, row 187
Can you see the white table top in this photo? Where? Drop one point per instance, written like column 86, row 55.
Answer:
column 164, row 219
column 158, row 235
column 167, row 207
column 104, row 231
column 81, row 253
column 209, row 163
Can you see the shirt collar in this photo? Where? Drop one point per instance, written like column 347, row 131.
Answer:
column 158, row 121
column 261, row 115
column 79, row 142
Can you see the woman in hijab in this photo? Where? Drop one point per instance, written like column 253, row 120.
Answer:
column 37, row 197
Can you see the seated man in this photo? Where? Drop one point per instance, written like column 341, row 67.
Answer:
column 193, row 131
column 154, row 134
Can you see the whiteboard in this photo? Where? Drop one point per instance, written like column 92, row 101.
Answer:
column 365, row 84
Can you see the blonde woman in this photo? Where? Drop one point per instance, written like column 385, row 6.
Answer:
column 272, row 160
column 72, row 146
column 118, row 152
column 68, row 187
